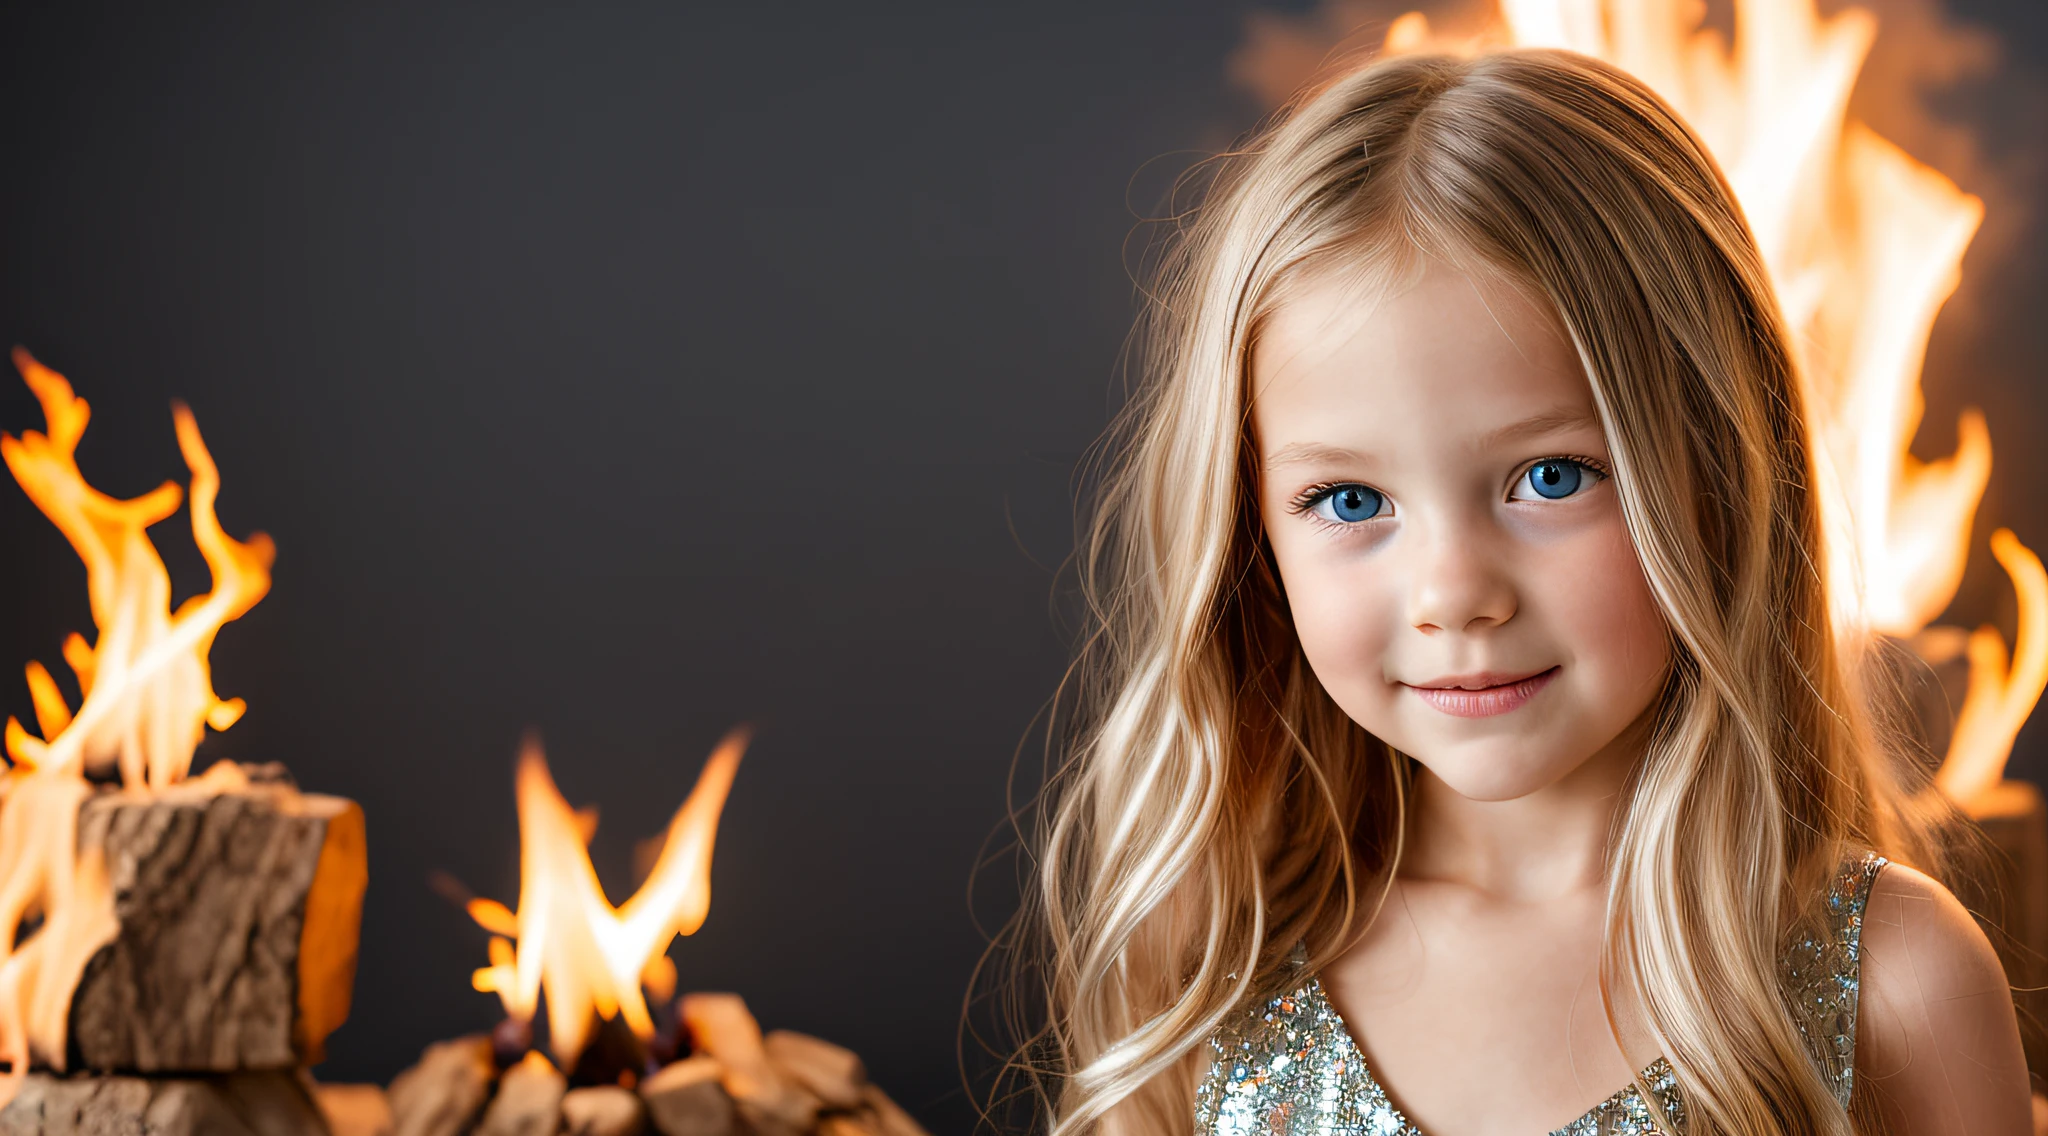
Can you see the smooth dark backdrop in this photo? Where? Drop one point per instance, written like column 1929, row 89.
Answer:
column 628, row 372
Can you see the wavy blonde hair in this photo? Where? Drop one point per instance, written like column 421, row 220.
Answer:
column 1215, row 807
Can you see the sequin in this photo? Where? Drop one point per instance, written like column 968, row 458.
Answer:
column 1291, row 1069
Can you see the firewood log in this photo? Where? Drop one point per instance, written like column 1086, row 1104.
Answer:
column 443, row 1092
column 354, row 1110
column 603, row 1110
column 770, row 1103
column 688, row 1099
column 240, row 1104
column 529, row 1100
column 239, row 912
column 832, row 1073
column 860, row 1123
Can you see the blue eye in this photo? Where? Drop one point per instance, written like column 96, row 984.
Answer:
column 1349, row 504
column 1554, row 479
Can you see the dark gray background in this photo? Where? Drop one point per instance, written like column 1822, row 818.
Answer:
column 634, row 371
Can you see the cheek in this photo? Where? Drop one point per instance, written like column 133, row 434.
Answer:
column 1342, row 628
column 1604, row 600
column 1345, row 613
column 1598, row 603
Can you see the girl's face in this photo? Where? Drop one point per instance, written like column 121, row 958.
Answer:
column 1434, row 481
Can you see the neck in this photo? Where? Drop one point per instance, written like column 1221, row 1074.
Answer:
column 1541, row 846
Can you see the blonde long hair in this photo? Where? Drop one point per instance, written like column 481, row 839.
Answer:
column 1215, row 807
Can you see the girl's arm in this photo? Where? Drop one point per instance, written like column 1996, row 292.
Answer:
column 1938, row 1041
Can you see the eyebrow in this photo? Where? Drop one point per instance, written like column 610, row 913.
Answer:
column 1535, row 426
column 1295, row 453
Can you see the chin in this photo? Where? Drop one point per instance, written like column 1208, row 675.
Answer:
column 1496, row 776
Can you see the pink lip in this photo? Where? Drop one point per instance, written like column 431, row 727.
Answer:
column 1481, row 695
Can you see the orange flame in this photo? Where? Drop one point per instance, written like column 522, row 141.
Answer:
column 2000, row 696
column 589, row 957
column 1864, row 244
column 39, row 871
column 148, row 688
column 148, row 697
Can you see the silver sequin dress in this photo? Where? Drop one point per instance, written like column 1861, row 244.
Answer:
column 1290, row 1067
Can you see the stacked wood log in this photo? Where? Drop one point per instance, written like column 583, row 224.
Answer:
column 734, row 1082
column 238, row 913
column 234, row 1104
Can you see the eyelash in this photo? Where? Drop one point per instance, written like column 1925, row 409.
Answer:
column 1599, row 467
column 1313, row 495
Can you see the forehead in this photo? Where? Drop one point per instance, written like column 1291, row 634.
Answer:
column 1445, row 355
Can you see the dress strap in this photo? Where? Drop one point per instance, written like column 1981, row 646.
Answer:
column 1823, row 973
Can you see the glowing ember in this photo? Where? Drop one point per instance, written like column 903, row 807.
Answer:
column 1864, row 245
column 148, row 698
column 589, row 957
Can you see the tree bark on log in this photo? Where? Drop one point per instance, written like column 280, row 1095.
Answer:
column 241, row 1104
column 239, row 915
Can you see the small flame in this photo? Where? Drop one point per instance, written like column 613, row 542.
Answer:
column 589, row 957
column 1864, row 245
column 148, row 698
column 2000, row 695
column 41, row 872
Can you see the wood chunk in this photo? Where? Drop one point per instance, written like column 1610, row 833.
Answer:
column 442, row 1094
column 354, row 1110
column 117, row 1106
column 890, row 1117
column 832, row 1073
column 271, row 1103
column 529, row 1100
column 688, row 1098
column 769, row 1103
column 239, row 912
column 247, row 1104
column 602, row 1110
column 184, row 1106
column 722, row 1026
column 57, row 1106
column 861, row 1123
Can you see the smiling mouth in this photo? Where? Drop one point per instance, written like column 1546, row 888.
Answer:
column 1479, row 697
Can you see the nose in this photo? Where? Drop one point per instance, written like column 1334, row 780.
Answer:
column 1459, row 583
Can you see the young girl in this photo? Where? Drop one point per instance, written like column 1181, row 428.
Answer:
column 1465, row 746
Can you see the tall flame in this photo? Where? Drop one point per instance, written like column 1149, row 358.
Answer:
column 147, row 685
column 592, row 959
column 148, row 698
column 1864, row 245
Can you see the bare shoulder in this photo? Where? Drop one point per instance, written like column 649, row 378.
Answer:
column 1917, row 930
column 1937, row 1040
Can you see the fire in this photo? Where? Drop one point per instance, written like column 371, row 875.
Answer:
column 148, row 698
column 148, row 689
column 567, row 939
column 2001, row 695
column 1864, row 245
